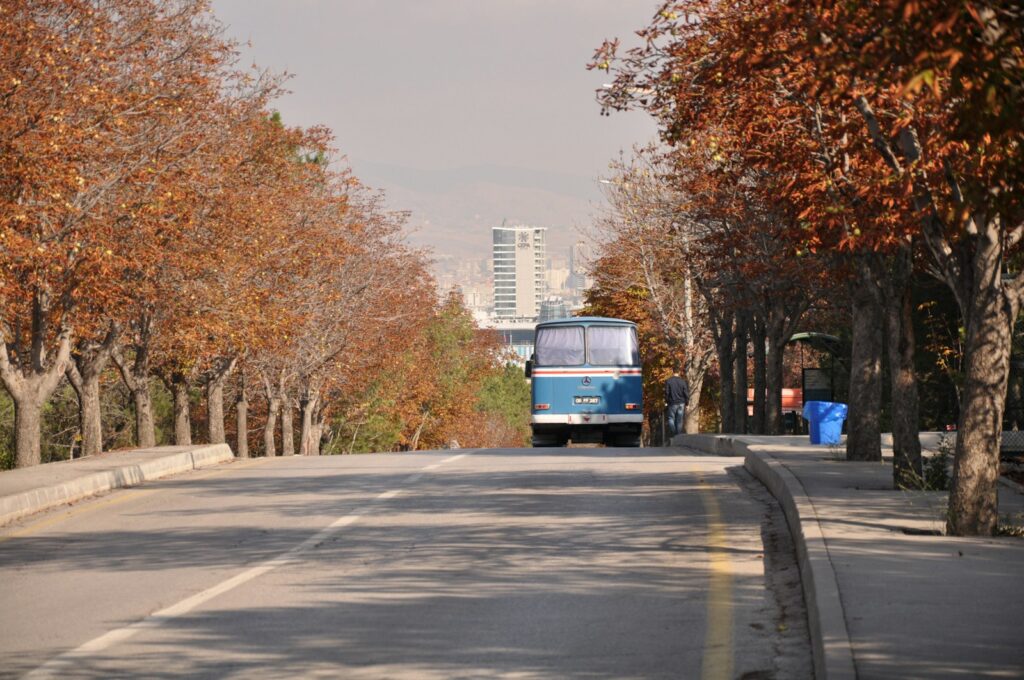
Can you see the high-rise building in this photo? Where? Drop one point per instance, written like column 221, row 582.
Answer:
column 519, row 269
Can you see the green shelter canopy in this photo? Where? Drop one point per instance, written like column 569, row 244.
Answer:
column 823, row 342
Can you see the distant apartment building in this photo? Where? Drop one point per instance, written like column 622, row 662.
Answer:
column 558, row 279
column 519, row 271
column 477, row 296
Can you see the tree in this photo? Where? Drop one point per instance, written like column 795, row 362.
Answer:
column 155, row 213
column 649, row 233
column 100, row 99
column 938, row 89
column 886, row 124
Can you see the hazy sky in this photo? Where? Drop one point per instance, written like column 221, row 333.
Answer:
column 464, row 111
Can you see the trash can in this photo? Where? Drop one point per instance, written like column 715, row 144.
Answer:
column 825, row 420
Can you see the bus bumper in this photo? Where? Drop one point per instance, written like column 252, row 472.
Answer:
column 586, row 418
column 587, row 428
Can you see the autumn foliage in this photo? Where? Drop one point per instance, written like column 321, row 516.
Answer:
column 156, row 216
column 883, row 135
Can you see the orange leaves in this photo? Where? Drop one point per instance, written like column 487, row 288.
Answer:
column 789, row 109
column 145, row 179
column 918, row 80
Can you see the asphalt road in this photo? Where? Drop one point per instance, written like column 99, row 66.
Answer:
column 578, row 563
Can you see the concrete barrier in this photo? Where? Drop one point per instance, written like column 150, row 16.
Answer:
column 717, row 445
column 138, row 467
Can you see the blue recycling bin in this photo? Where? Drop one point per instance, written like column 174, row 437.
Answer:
column 825, row 420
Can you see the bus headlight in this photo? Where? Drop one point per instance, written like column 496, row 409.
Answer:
column 541, row 407
column 632, row 407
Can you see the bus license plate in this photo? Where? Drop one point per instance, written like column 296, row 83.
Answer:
column 586, row 400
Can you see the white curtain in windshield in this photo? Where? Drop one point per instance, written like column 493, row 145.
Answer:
column 613, row 346
column 560, row 346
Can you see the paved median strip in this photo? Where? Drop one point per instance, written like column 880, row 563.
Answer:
column 59, row 665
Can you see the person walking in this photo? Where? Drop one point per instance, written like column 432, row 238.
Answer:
column 677, row 396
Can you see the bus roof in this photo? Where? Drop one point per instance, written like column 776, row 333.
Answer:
column 575, row 320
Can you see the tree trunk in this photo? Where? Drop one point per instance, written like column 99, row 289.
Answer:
column 908, row 468
column 287, row 427
column 991, row 313
column 215, row 411
column 724, row 339
column 775, row 334
column 273, row 406
column 973, row 502
column 182, row 421
column 215, row 398
column 145, row 426
column 319, row 418
column 91, row 416
column 83, row 372
column 27, row 435
column 136, row 379
column 739, row 374
column 90, row 424
column 309, row 440
column 31, row 379
column 864, row 435
column 691, row 415
column 760, row 376
column 773, row 385
column 242, row 422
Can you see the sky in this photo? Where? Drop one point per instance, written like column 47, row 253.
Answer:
column 465, row 112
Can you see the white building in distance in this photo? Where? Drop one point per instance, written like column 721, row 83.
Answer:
column 519, row 271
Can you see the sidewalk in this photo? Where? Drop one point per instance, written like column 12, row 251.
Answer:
column 887, row 595
column 29, row 490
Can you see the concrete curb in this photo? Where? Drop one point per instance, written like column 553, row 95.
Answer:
column 29, row 502
column 830, row 639
column 708, row 443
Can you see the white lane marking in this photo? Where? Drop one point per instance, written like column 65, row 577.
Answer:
column 449, row 459
column 55, row 667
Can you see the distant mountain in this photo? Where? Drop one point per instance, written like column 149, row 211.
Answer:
column 445, row 181
column 453, row 210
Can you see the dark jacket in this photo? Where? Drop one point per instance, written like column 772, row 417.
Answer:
column 676, row 391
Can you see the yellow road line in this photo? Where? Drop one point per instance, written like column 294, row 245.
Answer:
column 718, row 648
column 91, row 504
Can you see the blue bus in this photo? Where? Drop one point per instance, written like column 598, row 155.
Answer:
column 586, row 383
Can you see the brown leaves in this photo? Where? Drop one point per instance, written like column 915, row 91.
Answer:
column 142, row 177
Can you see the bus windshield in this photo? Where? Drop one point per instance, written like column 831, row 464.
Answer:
column 560, row 346
column 612, row 346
